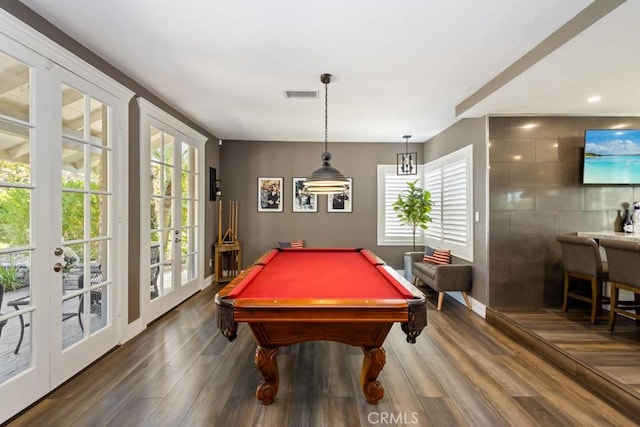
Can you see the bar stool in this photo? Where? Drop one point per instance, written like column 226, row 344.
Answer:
column 624, row 273
column 581, row 260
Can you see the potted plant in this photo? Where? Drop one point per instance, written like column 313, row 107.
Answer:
column 413, row 208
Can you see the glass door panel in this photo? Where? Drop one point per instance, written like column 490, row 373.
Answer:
column 83, row 314
column 16, row 193
column 161, row 213
column 24, row 326
column 85, row 212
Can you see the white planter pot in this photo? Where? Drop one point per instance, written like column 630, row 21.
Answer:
column 407, row 265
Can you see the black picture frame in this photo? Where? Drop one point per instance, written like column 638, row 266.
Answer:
column 343, row 201
column 212, row 184
column 270, row 194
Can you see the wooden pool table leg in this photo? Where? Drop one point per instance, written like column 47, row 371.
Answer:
column 374, row 360
column 266, row 363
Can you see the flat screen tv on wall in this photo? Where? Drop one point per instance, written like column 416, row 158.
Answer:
column 611, row 156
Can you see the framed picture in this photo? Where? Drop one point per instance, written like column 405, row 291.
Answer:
column 341, row 202
column 302, row 200
column 270, row 194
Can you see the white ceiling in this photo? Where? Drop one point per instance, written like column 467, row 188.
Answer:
column 399, row 67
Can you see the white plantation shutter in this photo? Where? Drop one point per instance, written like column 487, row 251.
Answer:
column 433, row 183
column 390, row 185
column 454, row 203
column 449, row 181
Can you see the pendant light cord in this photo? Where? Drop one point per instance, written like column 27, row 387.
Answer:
column 406, row 141
column 326, row 115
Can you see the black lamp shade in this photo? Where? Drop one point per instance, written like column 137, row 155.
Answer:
column 326, row 179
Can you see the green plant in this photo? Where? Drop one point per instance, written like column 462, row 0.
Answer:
column 413, row 208
column 9, row 276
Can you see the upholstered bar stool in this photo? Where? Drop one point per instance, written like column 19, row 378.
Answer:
column 624, row 273
column 581, row 260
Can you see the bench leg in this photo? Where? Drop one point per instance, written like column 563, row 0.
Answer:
column 466, row 300
column 440, row 300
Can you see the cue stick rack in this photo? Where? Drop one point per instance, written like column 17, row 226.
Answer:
column 227, row 252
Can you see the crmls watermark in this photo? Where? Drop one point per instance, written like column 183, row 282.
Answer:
column 392, row 418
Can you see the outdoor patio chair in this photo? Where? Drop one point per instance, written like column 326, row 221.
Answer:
column 2, row 322
column 95, row 302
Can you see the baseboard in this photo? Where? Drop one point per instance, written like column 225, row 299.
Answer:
column 208, row 281
column 133, row 329
column 476, row 306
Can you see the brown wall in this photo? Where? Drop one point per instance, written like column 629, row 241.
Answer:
column 539, row 196
column 244, row 161
column 470, row 132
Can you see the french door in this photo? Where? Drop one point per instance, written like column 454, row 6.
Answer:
column 171, row 219
column 82, row 310
column 60, row 152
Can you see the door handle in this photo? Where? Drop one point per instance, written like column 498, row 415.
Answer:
column 57, row 267
column 58, row 251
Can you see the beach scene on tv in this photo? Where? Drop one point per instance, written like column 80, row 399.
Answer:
column 612, row 156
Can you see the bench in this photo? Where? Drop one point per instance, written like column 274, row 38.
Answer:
column 442, row 277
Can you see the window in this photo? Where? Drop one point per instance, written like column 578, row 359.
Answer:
column 390, row 230
column 449, row 180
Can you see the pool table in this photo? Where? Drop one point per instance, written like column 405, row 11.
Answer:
column 346, row 295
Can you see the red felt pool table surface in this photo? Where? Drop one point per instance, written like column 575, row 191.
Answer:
column 320, row 274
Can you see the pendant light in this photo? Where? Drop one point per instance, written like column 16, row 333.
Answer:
column 406, row 162
column 326, row 179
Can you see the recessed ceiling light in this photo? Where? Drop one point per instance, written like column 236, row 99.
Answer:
column 518, row 157
column 595, row 98
column 529, row 126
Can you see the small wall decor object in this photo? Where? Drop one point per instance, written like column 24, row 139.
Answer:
column 342, row 201
column 303, row 200
column 297, row 244
column 270, row 196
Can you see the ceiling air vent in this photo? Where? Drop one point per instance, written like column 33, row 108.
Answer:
column 301, row 93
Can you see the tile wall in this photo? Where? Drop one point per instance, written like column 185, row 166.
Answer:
column 535, row 193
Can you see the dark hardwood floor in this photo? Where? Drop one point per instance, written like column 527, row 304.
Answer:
column 462, row 371
column 608, row 363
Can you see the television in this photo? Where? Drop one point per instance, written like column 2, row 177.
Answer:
column 611, row 156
